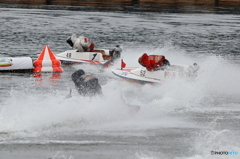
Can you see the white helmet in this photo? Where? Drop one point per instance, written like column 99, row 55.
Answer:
column 85, row 42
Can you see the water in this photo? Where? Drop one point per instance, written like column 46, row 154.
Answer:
column 177, row 120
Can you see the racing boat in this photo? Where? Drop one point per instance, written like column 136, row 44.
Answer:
column 102, row 57
column 142, row 75
column 85, row 54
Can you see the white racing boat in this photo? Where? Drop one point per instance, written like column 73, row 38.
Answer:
column 102, row 57
column 84, row 53
column 142, row 75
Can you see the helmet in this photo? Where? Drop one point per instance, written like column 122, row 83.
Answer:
column 76, row 76
column 143, row 57
column 85, row 42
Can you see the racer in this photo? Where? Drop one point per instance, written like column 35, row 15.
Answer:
column 81, row 43
column 86, row 85
column 153, row 62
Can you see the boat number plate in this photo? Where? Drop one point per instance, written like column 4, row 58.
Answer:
column 69, row 55
column 125, row 73
column 142, row 73
column 94, row 55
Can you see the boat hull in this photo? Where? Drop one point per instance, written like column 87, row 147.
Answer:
column 142, row 75
column 70, row 57
column 127, row 74
column 67, row 61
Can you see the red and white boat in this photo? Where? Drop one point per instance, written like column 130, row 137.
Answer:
column 142, row 75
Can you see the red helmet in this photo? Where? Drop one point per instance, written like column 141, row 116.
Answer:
column 141, row 58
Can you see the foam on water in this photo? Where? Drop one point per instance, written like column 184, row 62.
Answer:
column 32, row 109
column 213, row 139
column 216, row 76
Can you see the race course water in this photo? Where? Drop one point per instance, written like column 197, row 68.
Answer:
column 180, row 119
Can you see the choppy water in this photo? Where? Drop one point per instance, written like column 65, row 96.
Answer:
column 177, row 120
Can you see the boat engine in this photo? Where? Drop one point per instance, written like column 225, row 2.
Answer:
column 116, row 52
column 86, row 85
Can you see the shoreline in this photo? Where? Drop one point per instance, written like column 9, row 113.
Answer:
column 126, row 3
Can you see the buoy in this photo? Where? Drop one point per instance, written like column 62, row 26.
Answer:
column 47, row 62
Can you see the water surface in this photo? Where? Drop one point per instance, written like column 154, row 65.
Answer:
column 177, row 120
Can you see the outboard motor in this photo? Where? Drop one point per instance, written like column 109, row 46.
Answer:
column 116, row 52
column 86, row 85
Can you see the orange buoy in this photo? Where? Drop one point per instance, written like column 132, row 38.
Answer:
column 47, row 62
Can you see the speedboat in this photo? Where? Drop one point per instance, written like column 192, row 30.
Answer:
column 103, row 57
column 142, row 75
column 84, row 53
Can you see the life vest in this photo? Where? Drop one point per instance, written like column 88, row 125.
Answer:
column 151, row 62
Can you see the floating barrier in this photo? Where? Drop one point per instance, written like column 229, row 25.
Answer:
column 16, row 64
